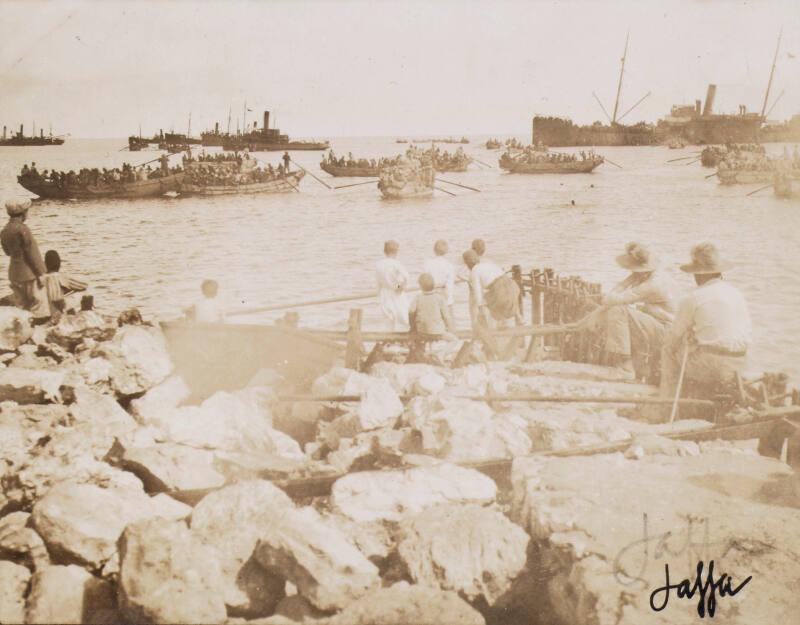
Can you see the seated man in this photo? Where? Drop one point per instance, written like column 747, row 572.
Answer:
column 710, row 334
column 633, row 317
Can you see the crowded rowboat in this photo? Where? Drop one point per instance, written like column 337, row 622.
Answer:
column 535, row 160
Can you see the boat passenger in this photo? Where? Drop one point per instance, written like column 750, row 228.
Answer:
column 633, row 318
column 286, row 159
column 442, row 271
column 392, row 278
column 209, row 309
column 26, row 267
column 711, row 330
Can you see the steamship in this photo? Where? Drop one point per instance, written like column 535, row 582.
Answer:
column 266, row 139
column 20, row 139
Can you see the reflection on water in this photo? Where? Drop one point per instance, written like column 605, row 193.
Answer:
column 321, row 243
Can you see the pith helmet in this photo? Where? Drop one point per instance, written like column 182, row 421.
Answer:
column 18, row 206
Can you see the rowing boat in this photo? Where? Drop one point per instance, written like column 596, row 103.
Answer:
column 409, row 180
column 550, row 167
column 344, row 171
column 153, row 187
column 216, row 356
column 285, row 184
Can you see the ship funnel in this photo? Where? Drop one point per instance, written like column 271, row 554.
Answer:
column 4, row 132
column 266, row 120
column 697, row 105
column 20, row 130
column 216, row 128
column 712, row 91
column 41, row 133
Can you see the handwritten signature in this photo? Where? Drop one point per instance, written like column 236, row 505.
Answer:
column 707, row 600
column 696, row 545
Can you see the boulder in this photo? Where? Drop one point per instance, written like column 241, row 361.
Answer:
column 71, row 330
column 13, row 587
column 93, row 407
column 379, row 405
column 405, row 378
column 167, row 576
column 716, row 506
column 162, row 398
column 169, row 467
column 372, row 539
column 20, row 543
column 474, row 551
column 388, row 496
column 81, row 522
column 15, row 327
column 138, row 357
column 30, row 386
column 651, row 444
column 227, row 422
column 229, row 521
column 70, row 594
column 319, row 560
column 402, row 604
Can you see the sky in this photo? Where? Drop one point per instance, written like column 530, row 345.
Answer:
column 325, row 69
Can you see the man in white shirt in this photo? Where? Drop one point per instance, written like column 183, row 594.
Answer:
column 392, row 279
column 712, row 326
column 443, row 272
column 481, row 275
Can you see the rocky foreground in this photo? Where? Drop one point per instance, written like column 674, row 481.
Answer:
column 121, row 504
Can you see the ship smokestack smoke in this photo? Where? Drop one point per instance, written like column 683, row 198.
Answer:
column 266, row 120
column 712, row 91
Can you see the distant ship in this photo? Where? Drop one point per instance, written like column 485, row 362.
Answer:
column 268, row 139
column 20, row 139
column 170, row 141
column 689, row 123
column 562, row 132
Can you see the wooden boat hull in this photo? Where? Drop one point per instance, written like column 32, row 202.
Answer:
column 350, row 172
column 213, row 357
column 280, row 185
column 398, row 193
column 443, row 169
column 744, row 176
column 124, row 190
column 576, row 167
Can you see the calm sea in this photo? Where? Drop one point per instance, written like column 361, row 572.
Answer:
column 320, row 243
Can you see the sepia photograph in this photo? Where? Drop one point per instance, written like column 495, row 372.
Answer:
column 339, row 312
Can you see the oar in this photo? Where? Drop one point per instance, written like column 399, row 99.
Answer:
column 692, row 162
column 757, row 190
column 459, row 185
column 712, row 175
column 482, row 163
column 444, row 191
column 608, row 160
column 355, row 184
column 290, row 184
column 310, row 174
column 682, row 158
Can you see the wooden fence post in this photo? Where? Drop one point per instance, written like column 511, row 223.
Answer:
column 355, row 346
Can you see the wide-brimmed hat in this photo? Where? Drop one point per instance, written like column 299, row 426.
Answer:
column 637, row 258
column 706, row 259
column 18, row 206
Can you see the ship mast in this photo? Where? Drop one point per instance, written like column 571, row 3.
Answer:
column 619, row 86
column 771, row 74
column 244, row 117
column 189, row 131
column 229, row 120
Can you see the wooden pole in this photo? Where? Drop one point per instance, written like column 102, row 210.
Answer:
column 444, row 191
column 619, row 86
column 608, row 160
column 712, row 175
column 676, row 401
column 355, row 346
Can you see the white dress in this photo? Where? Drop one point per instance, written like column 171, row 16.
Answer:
column 392, row 279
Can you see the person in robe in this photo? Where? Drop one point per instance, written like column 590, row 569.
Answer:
column 392, row 278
